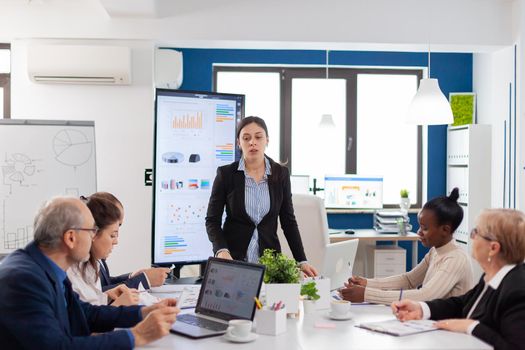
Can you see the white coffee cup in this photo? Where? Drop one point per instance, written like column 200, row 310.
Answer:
column 340, row 307
column 239, row 328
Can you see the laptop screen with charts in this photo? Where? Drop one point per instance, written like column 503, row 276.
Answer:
column 227, row 292
column 339, row 262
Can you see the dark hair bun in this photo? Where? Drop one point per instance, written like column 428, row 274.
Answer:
column 454, row 195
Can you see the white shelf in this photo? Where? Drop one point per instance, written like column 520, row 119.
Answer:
column 469, row 169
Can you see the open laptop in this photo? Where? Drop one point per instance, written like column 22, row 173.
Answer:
column 227, row 292
column 339, row 262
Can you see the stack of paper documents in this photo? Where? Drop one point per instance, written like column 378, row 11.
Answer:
column 391, row 221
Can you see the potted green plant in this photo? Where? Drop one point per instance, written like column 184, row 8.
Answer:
column 281, row 279
column 310, row 295
column 404, row 202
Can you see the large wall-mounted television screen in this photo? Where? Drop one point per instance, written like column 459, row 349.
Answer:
column 195, row 132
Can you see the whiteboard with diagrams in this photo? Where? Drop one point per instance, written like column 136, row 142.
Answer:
column 40, row 159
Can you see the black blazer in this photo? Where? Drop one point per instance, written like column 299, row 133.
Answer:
column 228, row 190
column 107, row 281
column 500, row 312
column 33, row 312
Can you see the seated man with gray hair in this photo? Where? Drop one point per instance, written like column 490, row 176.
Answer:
column 38, row 308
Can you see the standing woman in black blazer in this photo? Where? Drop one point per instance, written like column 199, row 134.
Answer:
column 256, row 191
column 494, row 310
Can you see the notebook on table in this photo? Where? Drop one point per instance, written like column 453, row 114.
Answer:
column 398, row 328
column 227, row 292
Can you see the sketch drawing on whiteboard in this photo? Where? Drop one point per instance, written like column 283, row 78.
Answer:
column 17, row 169
column 72, row 147
column 18, row 238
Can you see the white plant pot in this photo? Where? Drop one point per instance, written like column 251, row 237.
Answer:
column 288, row 293
column 309, row 306
column 404, row 204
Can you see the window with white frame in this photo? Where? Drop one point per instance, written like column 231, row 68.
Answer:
column 262, row 99
column 367, row 106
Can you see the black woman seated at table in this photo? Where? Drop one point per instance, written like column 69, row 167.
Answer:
column 255, row 191
column 445, row 271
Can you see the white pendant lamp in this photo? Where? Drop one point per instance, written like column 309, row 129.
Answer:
column 429, row 106
column 327, row 121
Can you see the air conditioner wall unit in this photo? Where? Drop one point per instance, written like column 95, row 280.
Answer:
column 79, row 64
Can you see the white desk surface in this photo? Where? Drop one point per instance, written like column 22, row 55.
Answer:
column 302, row 335
column 371, row 234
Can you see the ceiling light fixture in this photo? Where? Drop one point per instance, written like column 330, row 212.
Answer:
column 429, row 106
column 327, row 121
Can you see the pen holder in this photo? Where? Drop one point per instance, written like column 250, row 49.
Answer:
column 270, row 322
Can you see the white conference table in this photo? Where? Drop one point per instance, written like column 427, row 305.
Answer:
column 302, row 334
column 372, row 236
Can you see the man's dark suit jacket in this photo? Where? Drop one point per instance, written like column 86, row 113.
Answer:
column 34, row 315
column 500, row 312
column 228, row 190
column 109, row 282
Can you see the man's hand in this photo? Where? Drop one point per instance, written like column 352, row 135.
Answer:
column 155, row 325
column 353, row 293
column 168, row 302
column 455, row 325
column 406, row 310
column 358, row 280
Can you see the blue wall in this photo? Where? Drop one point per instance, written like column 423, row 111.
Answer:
column 454, row 71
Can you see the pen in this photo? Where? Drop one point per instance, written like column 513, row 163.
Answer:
column 401, row 294
column 257, row 303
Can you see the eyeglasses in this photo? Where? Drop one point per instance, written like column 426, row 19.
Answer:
column 93, row 231
column 475, row 233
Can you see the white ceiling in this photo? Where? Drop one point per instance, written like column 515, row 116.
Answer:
column 448, row 25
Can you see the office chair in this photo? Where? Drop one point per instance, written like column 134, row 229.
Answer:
column 310, row 214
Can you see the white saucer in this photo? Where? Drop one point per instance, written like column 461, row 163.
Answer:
column 232, row 338
column 348, row 316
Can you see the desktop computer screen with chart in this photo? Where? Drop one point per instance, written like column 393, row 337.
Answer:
column 353, row 191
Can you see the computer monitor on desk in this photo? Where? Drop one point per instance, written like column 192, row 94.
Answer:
column 300, row 184
column 353, row 191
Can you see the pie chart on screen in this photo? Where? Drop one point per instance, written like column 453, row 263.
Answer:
column 72, row 147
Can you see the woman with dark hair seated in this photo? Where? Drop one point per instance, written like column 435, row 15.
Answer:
column 444, row 271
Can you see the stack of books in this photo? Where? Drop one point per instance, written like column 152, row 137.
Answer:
column 391, row 221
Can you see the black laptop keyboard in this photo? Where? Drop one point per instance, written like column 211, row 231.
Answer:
column 202, row 322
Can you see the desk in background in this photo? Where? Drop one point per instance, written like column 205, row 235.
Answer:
column 371, row 237
column 301, row 334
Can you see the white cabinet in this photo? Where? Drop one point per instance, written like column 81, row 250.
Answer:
column 469, row 169
column 385, row 261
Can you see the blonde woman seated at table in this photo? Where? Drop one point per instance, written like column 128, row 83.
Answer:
column 445, row 270
column 494, row 310
column 85, row 276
